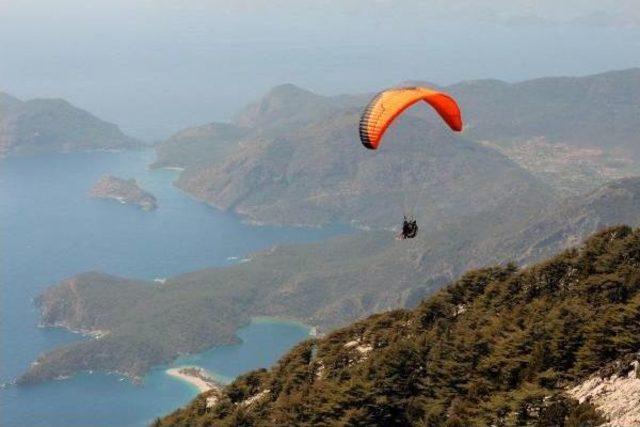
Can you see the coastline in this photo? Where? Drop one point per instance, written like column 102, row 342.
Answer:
column 121, row 384
column 311, row 330
column 195, row 376
column 244, row 217
column 89, row 333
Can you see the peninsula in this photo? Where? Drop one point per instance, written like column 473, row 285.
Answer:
column 45, row 126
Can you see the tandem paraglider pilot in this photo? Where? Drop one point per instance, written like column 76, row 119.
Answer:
column 409, row 228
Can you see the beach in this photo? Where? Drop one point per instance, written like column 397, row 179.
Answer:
column 195, row 376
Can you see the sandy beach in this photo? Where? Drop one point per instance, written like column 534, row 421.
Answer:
column 195, row 376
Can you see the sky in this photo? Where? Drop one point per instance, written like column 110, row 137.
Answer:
column 157, row 66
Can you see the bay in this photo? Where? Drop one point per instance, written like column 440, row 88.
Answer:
column 51, row 229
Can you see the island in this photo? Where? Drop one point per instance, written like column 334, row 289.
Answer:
column 126, row 191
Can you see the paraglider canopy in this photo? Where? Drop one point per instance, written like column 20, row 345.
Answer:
column 389, row 104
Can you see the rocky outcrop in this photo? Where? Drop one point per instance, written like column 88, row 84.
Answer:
column 616, row 395
column 125, row 191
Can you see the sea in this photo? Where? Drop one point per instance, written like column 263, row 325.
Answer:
column 50, row 230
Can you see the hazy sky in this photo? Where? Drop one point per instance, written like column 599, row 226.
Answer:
column 154, row 67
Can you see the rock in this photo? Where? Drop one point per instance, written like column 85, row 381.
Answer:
column 124, row 191
column 616, row 396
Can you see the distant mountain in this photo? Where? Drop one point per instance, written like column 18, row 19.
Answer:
column 299, row 161
column 571, row 170
column 500, row 346
column 41, row 126
column 574, row 133
column 202, row 145
column 285, row 105
column 320, row 173
column 7, row 101
column 325, row 284
column 594, row 111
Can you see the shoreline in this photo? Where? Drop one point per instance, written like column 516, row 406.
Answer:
column 194, row 376
column 311, row 329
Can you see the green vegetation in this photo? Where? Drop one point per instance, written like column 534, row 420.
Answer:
column 137, row 324
column 592, row 111
column 299, row 161
column 294, row 157
column 326, row 284
column 41, row 126
column 497, row 347
column 202, row 145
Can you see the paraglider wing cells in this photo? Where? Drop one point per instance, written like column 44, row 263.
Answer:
column 389, row 104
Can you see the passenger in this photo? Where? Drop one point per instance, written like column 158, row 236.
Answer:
column 409, row 228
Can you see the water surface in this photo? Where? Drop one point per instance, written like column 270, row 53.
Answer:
column 51, row 230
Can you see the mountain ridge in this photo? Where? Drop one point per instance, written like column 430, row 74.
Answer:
column 274, row 179
column 45, row 125
column 581, row 131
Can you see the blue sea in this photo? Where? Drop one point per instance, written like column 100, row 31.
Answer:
column 50, row 230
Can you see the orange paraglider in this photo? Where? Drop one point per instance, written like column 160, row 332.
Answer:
column 389, row 104
column 383, row 110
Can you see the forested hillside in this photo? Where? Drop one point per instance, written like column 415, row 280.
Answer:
column 319, row 173
column 293, row 157
column 500, row 346
column 326, row 284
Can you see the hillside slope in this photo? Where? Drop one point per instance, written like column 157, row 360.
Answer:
column 592, row 111
column 299, row 160
column 500, row 346
column 617, row 202
column 320, row 174
column 326, row 284
column 202, row 145
column 40, row 126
